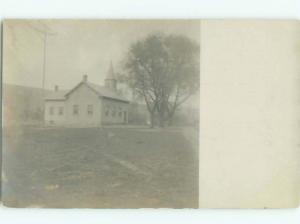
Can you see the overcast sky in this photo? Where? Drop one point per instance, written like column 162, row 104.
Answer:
column 76, row 47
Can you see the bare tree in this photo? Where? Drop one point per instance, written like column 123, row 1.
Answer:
column 164, row 71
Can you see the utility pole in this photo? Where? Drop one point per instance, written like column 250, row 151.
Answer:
column 44, row 62
column 45, row 32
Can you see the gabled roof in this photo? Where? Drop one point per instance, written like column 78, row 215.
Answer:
column 99, row 90
column 105, row 92
column 57, row 95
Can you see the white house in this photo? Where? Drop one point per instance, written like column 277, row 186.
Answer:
column 87, row 104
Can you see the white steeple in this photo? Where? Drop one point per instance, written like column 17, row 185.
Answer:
column 110, row 80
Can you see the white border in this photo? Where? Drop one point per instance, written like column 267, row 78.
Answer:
column 149, row 9
column 288, row 9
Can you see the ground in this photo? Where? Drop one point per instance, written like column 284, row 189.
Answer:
column 109, row 167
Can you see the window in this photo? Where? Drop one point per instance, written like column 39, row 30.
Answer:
column 120, row 111
column 90, row 109
column 125, row 117
column 75, row 109
column 113, row 112
column 51, row 110
column 107, row 111
column 60, row 110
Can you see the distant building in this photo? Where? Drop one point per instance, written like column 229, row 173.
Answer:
column 87, row 104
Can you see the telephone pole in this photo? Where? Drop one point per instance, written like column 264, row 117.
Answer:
column 44, row 32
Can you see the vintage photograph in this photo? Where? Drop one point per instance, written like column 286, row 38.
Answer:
column 101, row 113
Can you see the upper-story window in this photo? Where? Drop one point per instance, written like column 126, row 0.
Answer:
column 90, row 109
column 60, row 110
column 51, row 110
column 75, row 109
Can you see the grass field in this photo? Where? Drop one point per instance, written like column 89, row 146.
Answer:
column 110, row 167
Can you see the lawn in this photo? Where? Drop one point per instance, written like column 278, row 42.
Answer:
column 111, row 167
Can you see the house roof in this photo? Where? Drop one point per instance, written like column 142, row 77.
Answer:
column 105, row 92
column 57, row 95
column 100, row 90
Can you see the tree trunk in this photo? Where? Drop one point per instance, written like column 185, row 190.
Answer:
column 162, row 114
column 161, row 118
column 170, row 117
column 161, row 121
column 152, row 119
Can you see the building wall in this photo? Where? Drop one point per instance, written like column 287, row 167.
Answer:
column 114, row 112
column 55, row 118
column 104, row 111
column 82, row 97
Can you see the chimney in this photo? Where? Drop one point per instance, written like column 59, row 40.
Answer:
column 85, row 78
column 56, row 88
